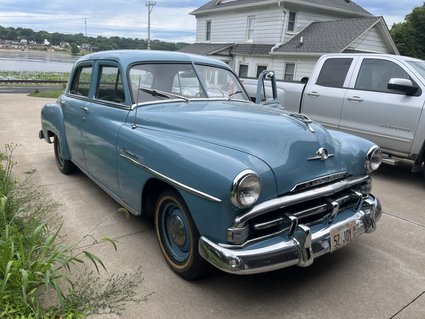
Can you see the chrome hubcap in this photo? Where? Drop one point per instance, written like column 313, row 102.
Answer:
column 177, row 230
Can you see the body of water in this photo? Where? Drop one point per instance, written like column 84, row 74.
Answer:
column 36, row 61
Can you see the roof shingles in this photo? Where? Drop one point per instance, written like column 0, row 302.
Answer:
column 327, row 36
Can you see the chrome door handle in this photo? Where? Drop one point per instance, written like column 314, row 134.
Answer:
column 85, row 109
column 314, row 94
column 355, row 99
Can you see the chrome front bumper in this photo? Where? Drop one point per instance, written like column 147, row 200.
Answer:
column 301, row 249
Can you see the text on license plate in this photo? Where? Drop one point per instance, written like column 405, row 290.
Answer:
column 342, row 235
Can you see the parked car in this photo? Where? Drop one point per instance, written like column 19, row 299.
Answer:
column 376, row 96
column 246, row 187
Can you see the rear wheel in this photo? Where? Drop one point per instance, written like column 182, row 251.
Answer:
column 178, row 236
column 65, row 166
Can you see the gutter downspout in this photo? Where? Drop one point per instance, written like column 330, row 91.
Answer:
column 282, row 37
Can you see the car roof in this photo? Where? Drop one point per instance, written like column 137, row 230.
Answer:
column 127, row 57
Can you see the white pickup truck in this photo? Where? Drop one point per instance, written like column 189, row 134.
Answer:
column 375, row 96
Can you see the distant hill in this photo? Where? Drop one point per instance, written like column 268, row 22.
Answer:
column 98, row 43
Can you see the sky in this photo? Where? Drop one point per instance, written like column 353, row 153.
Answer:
column 170, row 20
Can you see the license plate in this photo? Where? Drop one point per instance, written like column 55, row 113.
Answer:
column 342, row 235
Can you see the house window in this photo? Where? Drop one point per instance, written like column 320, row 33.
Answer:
column 208, row 31
column 250, row 28
column 291, row 21
column 243, row 70
column 261, row 68
column 289, row 72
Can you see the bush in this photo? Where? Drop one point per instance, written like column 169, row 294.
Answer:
column 34, row 266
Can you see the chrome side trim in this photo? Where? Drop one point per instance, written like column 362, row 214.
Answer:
column 171, row 181
column 289, row 200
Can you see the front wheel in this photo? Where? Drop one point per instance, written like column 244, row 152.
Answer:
column 178, row 237
column 65, row 166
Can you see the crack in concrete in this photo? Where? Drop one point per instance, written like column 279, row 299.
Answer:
column 406, row 306
column 404, row 219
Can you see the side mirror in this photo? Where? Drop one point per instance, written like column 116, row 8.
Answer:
column 404, row 85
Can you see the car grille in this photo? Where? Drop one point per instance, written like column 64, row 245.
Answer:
column 308, row 207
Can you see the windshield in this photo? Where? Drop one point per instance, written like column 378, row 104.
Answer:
column 419, row 66
column 159, row 81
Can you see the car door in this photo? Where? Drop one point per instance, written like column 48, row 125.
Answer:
column 323, row 97
column 74, row 104
column 105, row 115
column 371, row 110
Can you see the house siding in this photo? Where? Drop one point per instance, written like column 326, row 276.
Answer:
column 232, row 26
column 370, row 41
column 303, row 67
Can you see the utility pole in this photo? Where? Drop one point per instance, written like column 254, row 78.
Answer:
column 150, row 5
column 85, row 25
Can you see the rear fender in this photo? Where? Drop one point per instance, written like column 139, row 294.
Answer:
column 52, row 124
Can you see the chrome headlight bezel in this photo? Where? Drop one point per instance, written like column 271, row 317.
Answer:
column 245, row 182
column 373, row 158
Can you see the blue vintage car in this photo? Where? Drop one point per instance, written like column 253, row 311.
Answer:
column 246, row 187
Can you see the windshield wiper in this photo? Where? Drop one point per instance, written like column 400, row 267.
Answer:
column 233, row 94
column 163, row 94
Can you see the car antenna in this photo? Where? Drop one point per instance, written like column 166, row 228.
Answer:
column 133, row 126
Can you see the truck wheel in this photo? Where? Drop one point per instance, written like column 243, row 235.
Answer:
column 65, row 166
column 178, row 236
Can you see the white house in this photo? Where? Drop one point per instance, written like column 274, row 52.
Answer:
column 287, row 36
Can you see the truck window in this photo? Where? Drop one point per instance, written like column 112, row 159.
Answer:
column 375, row 74
column 334, row 72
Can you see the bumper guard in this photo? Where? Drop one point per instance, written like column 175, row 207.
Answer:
column 300, row 249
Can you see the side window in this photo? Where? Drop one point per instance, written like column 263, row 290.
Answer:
column 110, row 86
column 334, row 72
column 375, row 74
column 81, row 82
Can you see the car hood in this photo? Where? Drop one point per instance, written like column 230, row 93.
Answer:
column 285, row 144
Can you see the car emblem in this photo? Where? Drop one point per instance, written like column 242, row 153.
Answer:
column 321, row 154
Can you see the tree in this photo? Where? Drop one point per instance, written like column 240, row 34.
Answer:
column 75, row 50
column 409, row 35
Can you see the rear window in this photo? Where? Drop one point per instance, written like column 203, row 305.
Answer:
column 334, row 72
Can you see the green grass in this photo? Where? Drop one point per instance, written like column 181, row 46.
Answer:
column 32, row 75
column 47, row 93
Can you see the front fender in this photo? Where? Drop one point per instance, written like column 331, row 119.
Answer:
column 52, row 123
column 199, row 165
column 352, row 151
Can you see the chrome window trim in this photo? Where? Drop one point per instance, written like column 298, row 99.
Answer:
column 171, row 181
column 134, row 105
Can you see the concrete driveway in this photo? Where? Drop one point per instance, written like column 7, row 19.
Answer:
column 382, row 275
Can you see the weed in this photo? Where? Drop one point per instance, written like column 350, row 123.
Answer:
column 35, row 264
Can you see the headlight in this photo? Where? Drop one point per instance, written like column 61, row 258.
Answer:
column 373, row 158
column 246, row 189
